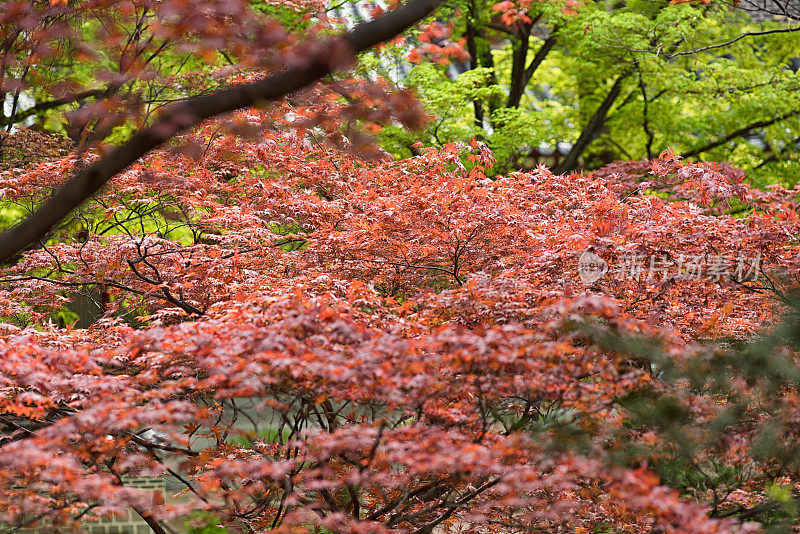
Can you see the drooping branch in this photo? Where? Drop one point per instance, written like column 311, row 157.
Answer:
column 181, row 116
column 740, row 132
column 789, row 29
column 777, row 153
column 51, row 104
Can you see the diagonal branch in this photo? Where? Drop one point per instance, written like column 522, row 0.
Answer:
column 181, row 116
column 592, row 128
column 789, row 29
column 51, row 104
column 518, row 88
column 740, row 132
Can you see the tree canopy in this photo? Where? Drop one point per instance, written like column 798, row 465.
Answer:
column 618, row 81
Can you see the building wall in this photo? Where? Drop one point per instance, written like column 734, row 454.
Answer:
column 130, row 524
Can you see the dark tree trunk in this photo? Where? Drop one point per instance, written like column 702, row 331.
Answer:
column 592, row 128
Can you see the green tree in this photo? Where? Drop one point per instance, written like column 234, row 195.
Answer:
column 617, row 82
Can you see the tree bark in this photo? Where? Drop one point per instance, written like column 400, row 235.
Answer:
column 518, row 58
column 472, row 48
column 517, row 90
column 50, row 104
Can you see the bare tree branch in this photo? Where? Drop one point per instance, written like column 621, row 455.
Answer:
column 789, row 29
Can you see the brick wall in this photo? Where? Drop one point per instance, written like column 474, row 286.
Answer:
column 131, row 524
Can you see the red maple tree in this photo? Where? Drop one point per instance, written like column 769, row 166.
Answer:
column 307, row 338
column 402, row 340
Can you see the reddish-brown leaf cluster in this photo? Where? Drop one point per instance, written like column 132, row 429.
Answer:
column 301, row 337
